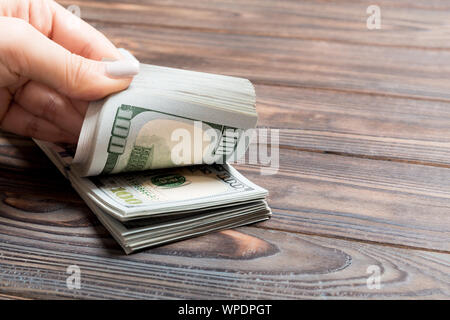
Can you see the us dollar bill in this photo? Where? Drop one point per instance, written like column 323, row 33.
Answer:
column 151, row 161
column 167, row 123
column 131, row 195
column 149, row 208
column 142, row 139
column 170, row 185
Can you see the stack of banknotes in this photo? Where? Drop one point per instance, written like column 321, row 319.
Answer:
column 152, row 161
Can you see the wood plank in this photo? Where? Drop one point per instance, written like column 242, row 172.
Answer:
column 293, row 62
column 337, row 120
column 379, row 201
column 331, row 86
column 362, row 125
column 245, row 263
column 407, row 24
column 377, row 127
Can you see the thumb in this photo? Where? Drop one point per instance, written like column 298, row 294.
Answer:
column 36, row 57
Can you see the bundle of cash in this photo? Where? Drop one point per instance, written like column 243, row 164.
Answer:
column 152, row 161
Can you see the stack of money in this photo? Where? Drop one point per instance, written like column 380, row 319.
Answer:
column 151, row 161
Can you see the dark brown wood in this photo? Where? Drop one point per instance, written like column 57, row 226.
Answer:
column 359, row 125
column 293, row 62
column 364, row 177
column 245, row 263
column 368, row 200
column 405, row 24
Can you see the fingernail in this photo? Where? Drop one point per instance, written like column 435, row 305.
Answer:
column 122, row 68
column 126, row 67
column 127, row 55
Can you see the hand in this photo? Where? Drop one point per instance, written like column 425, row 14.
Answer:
column 50, row 67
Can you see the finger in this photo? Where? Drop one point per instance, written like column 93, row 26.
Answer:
column 5, row 101
column 17, row 120
column 79, row 37
column 29, row 53
column 80, row 105
column 61, row 26
column 46, row 103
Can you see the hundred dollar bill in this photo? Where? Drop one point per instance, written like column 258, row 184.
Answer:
column 139, row 234
column 166, row 118
column 149, row 208
column 131, row 195
column 151, row 161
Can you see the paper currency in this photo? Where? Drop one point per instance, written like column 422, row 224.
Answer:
column 164, row 113
column 127, row 165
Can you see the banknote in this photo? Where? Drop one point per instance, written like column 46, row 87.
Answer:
column 142, row 139
column 184, row 119
column 169, row 185
column 150, row 208
column 151, row 161
column 131, row 195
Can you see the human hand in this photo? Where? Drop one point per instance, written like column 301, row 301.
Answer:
column 50, row 69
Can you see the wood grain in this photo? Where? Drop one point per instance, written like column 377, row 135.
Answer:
column 34, row 257
column 44, row 231
column 406, row 24
column 356, row 198
column 293, row 62
column 377, row 127
column 370, row 117
column 364, row 177
column 324, row 194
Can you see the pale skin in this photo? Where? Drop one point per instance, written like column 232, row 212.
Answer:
column 50, row 70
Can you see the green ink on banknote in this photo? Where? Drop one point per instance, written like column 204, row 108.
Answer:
column 168, row 180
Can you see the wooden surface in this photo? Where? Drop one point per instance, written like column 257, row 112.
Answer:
column 364, row 178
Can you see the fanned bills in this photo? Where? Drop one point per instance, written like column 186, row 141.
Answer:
column 151, row 160
column 167, row 117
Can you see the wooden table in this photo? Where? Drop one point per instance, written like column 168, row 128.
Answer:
column 364, row 178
